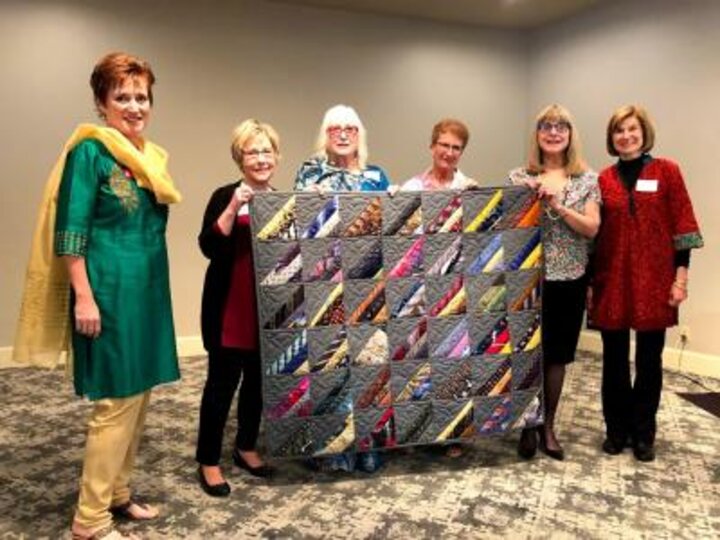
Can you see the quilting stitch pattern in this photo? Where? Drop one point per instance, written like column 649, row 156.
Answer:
column 394, row 321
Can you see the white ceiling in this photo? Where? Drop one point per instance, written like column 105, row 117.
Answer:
column 489, row 13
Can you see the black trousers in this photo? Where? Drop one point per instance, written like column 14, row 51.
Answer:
column 225, row 369
column 630, row 408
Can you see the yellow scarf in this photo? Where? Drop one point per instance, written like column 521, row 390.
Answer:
column 43, row 331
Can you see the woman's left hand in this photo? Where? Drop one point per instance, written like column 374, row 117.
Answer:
column 677, row 295
column 470, row 183
column 550, row 198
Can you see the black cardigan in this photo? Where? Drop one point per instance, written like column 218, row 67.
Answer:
column 220, row 250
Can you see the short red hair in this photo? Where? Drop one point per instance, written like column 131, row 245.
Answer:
column 450, row 125
column 113, row 68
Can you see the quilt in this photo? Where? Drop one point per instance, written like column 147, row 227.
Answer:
column 390, row 321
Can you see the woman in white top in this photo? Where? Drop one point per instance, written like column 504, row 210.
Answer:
column 447, row 144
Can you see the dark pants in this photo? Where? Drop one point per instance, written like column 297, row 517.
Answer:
column 630, row 409
column 225, row 367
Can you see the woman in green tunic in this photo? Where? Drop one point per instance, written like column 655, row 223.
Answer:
column 112, row 190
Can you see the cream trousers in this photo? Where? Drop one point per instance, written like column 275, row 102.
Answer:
column 114, row 432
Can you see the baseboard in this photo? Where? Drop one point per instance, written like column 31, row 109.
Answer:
column 6, row 358
column 674, row 359
column 190, row 346
column 706, row 365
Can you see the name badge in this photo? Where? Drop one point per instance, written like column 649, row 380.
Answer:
column 372, row 175
column 646, row 186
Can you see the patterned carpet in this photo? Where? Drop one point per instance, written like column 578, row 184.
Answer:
column 420, row 493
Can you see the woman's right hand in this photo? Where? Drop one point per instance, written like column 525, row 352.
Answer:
column 243, row 195
column 318, row 188
column 87, row 317
column 532, row 182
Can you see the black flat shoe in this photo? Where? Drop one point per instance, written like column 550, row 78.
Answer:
column 644, row 451
column 614, row 446
column 554, row 453
column 528, row 443
column 263, row 471
column 217, row 490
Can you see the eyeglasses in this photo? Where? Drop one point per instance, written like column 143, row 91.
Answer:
column 256, row 153
column 336, row 132
column 450, row 147
column 548, row 127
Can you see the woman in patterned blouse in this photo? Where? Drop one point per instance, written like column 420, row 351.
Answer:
column 340, row 159
column 570, row 191
column 340, row 164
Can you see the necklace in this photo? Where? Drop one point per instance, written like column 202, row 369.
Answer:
column 558, row 188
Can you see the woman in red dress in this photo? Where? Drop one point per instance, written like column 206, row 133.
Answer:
column 640, row 276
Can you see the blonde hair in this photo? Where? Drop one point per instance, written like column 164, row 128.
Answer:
column 623, row 113
column 574, row 163
column 342, row 115
column 248, row 130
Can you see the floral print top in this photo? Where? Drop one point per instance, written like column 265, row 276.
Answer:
column 566, row 251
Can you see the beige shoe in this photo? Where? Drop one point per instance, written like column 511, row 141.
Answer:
column 135, row 511
column 105, row 533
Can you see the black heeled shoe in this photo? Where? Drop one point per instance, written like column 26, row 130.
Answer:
column 528, row 443
column 555, row 453
column 644, row 451
column 614, row 445
column 263, row 471
column 217, row 490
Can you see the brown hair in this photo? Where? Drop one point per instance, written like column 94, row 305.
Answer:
column 113, row 68
column 574, row 163
column 450, row 125
column 622, row 114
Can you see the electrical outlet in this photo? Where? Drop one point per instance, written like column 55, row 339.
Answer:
column 685, row 333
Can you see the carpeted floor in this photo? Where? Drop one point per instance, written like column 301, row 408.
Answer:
column 487, row 493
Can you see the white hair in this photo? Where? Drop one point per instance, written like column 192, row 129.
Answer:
column 342, row 115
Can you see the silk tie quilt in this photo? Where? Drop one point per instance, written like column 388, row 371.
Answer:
column 389, row 321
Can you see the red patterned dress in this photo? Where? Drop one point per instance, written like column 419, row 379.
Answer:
column 634, row 258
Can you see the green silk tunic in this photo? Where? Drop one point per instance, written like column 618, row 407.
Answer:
column 119, row 228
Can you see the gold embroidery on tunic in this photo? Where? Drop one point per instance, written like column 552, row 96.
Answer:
column 124, row 189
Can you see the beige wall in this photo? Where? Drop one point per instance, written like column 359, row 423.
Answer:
column 663, row 54
column 286, row 65
column 216, row 66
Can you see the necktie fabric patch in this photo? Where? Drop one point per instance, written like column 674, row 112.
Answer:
column 406, row 297
column 286, row 262
column 322, row 222
column 403, row 215
column 280, row 224
column 290, row 352
column 446, row 215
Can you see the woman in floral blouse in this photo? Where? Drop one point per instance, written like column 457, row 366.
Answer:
column 340, row 164
column 570, row 191
column 340, row 159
